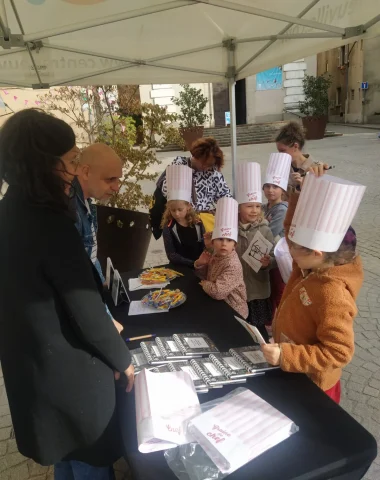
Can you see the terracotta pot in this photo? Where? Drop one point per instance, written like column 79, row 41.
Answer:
column 124, row 236
column 315, row 127
column 190, row 134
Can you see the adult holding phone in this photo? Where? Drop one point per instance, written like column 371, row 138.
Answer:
column 291, row 140
column 59, row 351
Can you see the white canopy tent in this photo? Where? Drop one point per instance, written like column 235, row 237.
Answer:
column 80, row 42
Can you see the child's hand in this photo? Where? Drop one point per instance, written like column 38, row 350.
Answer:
column 272, row 353
column 207, row 239
column 202, row 260
column 265, row 261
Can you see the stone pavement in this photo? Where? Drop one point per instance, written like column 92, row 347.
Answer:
column 356, row 157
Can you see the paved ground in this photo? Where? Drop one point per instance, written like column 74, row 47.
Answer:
column 356, row 156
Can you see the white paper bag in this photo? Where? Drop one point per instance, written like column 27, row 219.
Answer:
column 164, row 405
column 240, row 429
column 259, row 247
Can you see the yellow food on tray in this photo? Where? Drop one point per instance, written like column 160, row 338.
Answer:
column 158, row 275
column 164, row 299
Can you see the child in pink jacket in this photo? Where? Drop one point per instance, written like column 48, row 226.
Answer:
column 221, row 271
column 223, row 275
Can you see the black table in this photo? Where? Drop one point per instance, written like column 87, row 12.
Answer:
column 329, row 445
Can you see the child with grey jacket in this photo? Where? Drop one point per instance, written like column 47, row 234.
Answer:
column 251, row 220
column 275, row 212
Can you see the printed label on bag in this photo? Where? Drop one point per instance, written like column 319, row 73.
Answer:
column 230, row 450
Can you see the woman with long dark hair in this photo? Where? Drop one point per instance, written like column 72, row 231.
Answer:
column 59, row 351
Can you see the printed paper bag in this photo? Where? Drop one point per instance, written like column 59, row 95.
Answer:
column 239, row 429
column 165, row 402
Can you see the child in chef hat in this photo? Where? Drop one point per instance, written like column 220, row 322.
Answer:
column 183, row 230
column 222, row 271
column 251, row 221
column 313, row 328
column 275, row 188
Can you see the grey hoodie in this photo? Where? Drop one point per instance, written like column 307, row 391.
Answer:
column 276, row 217
column 257, row 284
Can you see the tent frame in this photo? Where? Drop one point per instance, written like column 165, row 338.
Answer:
column 30, row 43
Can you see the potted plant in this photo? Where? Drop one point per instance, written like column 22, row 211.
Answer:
column 192, row 103
column 96, row 116
column 315, row 106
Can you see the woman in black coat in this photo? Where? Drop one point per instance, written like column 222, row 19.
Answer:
column 59, row 350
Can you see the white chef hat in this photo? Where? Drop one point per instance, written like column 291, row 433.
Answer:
column 226, row 219
column 278, row 170
column 179, row 180
column 248, row 183
column 325, row 210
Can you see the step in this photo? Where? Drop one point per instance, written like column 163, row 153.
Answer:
column 245, row 134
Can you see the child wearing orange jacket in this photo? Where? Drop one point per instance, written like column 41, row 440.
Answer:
column 313, row 328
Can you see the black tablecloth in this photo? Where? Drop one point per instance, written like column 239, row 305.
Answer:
column 329, row 444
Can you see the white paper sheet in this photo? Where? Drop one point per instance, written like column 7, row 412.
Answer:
column 253, row 331
column 233, row 363
column 173, row 346
column 211, row 368
column 254, row 357
column 196, row 342
column 138, row 308
column 164, row 405
column 239, row 429
column 135, row 284
column 258, row 247
column 109, row 273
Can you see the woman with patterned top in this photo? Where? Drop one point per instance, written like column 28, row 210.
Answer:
column 207, row 160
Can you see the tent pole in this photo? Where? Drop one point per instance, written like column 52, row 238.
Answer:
column 231, row 92
column 231, row 72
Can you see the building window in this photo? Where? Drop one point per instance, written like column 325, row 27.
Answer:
column 352, row 94
column 338, row 96
column 343, row 55
column 327, row 66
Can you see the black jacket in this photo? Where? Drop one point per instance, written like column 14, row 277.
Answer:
column 58, row 346
column 175, row 251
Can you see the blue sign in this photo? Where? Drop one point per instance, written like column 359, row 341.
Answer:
column 364, row 85
column 270, row 79
column 227, row 118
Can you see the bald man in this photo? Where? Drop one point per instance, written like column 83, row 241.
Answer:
column 98, row 177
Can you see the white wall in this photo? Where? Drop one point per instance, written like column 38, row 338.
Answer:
column 163, row 94
column 263, row 105
column 268, row 105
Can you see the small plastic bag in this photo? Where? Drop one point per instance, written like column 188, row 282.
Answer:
column 190, row 461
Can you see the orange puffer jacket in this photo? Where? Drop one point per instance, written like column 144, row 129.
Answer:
column 314, row 322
